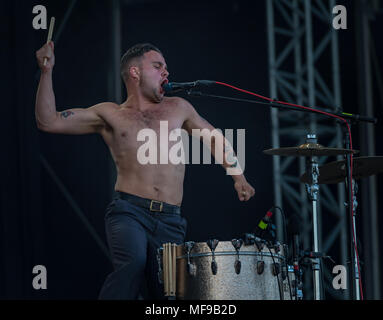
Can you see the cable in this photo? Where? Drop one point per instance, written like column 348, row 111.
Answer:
column 275, row 266
column 285, row 246
column 312, row 109
column 284, row 223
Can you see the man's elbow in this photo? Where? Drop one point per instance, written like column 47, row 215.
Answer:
column 46, row 126
column 41, row 127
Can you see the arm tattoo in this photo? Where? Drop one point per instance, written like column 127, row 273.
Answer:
column 234, row 165
column 66, row 114
column 231, row 157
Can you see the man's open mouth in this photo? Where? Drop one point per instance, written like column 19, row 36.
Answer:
column 165, row 81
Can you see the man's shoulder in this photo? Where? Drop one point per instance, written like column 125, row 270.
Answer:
column 179, row 103
column 105, row 107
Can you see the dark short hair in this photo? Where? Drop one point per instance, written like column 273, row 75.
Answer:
column 137, row 51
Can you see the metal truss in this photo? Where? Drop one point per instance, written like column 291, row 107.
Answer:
column 297, row 75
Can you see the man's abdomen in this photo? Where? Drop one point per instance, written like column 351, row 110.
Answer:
column 157, row 182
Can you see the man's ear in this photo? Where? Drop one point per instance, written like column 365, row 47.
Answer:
column 134, row 72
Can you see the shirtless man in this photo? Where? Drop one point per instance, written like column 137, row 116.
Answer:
column 146, row 210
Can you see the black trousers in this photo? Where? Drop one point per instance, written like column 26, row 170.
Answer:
column 134, row 234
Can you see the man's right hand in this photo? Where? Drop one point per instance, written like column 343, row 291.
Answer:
column 46, row 52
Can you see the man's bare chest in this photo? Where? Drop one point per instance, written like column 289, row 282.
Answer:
column 128, row 127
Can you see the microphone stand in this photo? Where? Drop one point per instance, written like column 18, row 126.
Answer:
column 349, row 179
column 274, row 104
column 352, row 204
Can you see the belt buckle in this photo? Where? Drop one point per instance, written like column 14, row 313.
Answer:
column 157, row 202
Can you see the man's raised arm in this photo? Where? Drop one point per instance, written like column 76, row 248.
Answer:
column 71, row 121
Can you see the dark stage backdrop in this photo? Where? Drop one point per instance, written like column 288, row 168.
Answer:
column 217, row 40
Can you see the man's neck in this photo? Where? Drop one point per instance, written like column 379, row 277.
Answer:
column 139, row 102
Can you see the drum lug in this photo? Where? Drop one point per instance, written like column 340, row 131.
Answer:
column 276, row 268
column 191, row 268
column 237, row 266
column 212, row 244
column 189, row 246
column 260, row 267
column 277, row 247
column 260, row 245
column 214, row 266
column 237, row 244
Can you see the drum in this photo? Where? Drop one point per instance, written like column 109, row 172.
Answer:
column 229, row 270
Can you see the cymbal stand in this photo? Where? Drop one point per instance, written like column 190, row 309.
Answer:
column 313, row 191
column 352, row 214
column 355, row 261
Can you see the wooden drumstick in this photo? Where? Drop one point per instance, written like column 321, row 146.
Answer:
column 174, row 268
column 165, row 266
column 170, row 268
column 50, row 32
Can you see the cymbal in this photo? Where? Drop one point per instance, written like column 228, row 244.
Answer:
column 308, row 150
column 335, row 172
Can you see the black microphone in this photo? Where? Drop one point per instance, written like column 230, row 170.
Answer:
column 179, row 86
column 260, row 229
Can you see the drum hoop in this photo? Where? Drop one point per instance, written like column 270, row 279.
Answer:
column 234, row 253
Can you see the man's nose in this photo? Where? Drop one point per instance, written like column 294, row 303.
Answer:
column 165, row 73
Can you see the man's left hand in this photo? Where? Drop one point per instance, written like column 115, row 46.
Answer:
column 244, row 189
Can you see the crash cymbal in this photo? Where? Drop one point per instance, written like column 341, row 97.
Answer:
column 335, row 172
column 308, row 150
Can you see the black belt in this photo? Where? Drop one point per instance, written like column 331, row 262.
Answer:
column 152, row 205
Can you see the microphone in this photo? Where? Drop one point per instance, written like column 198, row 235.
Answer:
column 179, row 86
column 263, row 224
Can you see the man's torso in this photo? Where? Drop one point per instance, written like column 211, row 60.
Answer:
column 163, row 182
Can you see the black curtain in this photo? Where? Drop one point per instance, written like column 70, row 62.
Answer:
column 21, row 217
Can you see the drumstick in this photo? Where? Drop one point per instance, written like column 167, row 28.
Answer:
column 174, row 268
column 165, row 265
column 170, row 268
column 50, row 32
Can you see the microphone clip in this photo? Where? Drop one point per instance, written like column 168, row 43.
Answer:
column 315, row 255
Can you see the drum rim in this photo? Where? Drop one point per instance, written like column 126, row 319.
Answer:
column 233, row 253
